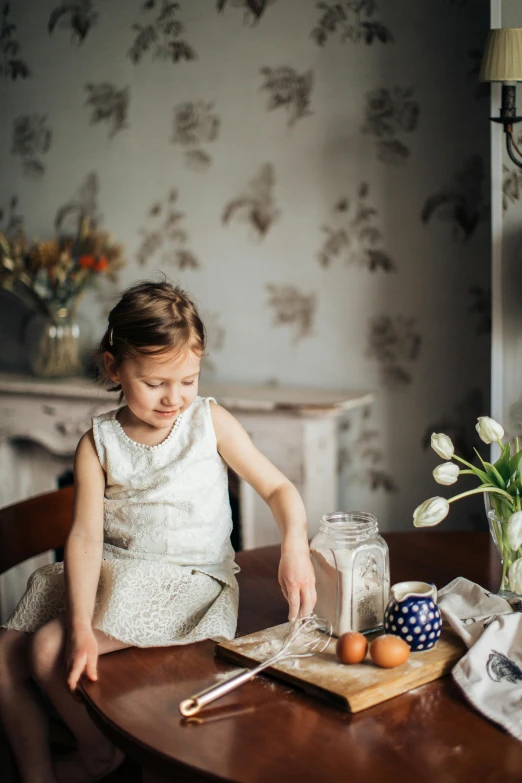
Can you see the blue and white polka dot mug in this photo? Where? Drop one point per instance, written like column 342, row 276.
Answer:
column 412, row 613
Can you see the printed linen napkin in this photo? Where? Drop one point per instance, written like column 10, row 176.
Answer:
column 490, row 674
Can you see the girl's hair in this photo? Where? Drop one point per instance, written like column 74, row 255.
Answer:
column 151, row 318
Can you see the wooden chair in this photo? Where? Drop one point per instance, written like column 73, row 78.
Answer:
column 27, row 529
column 34, row 526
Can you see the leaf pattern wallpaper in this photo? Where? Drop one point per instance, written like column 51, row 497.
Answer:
column 354, row 20
column 355, row 236
column 511, row 185
column 361, row 454
column 76, row 17
column 253, row 10
column 11, row 220
column 395, row 343
column 256, row 204
column 298, row 166
column 390, row 113
column 462, row 203
column 290, row 90
column 31, row 140
column 84, row 203
column 162, row 35
column 290, row 306
column 12, row 65
column 109, row 105
column 216, row 335
column 195, row 125
column 166, row 233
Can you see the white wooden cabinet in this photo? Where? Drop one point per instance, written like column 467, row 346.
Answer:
column 41, row 422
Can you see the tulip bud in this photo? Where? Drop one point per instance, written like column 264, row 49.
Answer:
column 431, row 512
column 514, row 530
column 442, row 445
column 489, row 430
column 446, row 474
column 515, row 577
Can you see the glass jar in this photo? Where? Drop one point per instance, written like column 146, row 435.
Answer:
column 352, row 571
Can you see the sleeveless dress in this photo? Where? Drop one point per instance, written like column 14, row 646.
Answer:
column 168, row 574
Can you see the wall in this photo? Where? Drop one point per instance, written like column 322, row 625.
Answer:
column 330, row 182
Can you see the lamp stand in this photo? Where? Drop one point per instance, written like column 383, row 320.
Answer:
column 508, row 117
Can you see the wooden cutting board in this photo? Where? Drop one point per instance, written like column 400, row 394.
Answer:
column 353, row 687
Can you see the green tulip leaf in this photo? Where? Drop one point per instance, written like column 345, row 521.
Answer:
column 483, row 476
column 514, row 462
column 495, row 474
column 502, row 465
column 487, row 470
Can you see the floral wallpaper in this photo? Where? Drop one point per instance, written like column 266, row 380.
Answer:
column 166, row 234
column 389, row 114
column 354, row 234
column 12, row 63
column 108, row 104
column 256, row 204
column 352, row 20
column 31, row 140
column 315, row 173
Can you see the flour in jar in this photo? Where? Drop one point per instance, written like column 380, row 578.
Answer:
column 350, row 590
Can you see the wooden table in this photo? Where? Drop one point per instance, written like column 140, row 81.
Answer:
column 266, row 732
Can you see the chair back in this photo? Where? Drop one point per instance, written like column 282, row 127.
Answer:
column 34, row 526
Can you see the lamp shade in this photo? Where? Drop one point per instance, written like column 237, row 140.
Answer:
column 502, row 61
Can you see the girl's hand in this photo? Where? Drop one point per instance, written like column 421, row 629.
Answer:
column 81, row 656
column 297, row 580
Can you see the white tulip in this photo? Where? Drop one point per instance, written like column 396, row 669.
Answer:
column 515, row 577
column 446, row 474
column 442, row 445
column 489, row 430
column 431, row 512
column 514, row 530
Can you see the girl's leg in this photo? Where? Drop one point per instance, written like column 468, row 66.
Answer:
column 24, row 721
column 96, row 755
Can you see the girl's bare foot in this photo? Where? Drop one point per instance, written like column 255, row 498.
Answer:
column 78, row 768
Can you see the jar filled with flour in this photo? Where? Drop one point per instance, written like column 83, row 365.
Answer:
column 352, row 571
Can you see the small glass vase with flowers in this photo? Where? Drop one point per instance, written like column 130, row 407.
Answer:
column 501, row 484
column 50, row 277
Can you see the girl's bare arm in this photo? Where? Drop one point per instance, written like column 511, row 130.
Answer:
column 296, row 574
column 83, row 552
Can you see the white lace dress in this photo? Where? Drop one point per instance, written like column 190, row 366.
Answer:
column 168, row 572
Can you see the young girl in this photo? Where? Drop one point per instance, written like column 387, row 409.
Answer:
column 148, row 561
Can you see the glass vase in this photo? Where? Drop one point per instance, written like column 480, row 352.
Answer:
column 498, row 513
column 53, row 344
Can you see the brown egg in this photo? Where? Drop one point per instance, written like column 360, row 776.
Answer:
column 351, row 647
column 389, row 651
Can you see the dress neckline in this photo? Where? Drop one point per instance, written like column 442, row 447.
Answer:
column 138, row 445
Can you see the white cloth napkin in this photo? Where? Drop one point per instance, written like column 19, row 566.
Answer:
column 490, row 674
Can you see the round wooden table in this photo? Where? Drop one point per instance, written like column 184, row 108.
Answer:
column 267, row 731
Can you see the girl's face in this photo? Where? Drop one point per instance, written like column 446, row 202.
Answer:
column 157, row 388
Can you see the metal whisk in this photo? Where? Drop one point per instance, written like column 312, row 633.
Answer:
column 307, row 636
